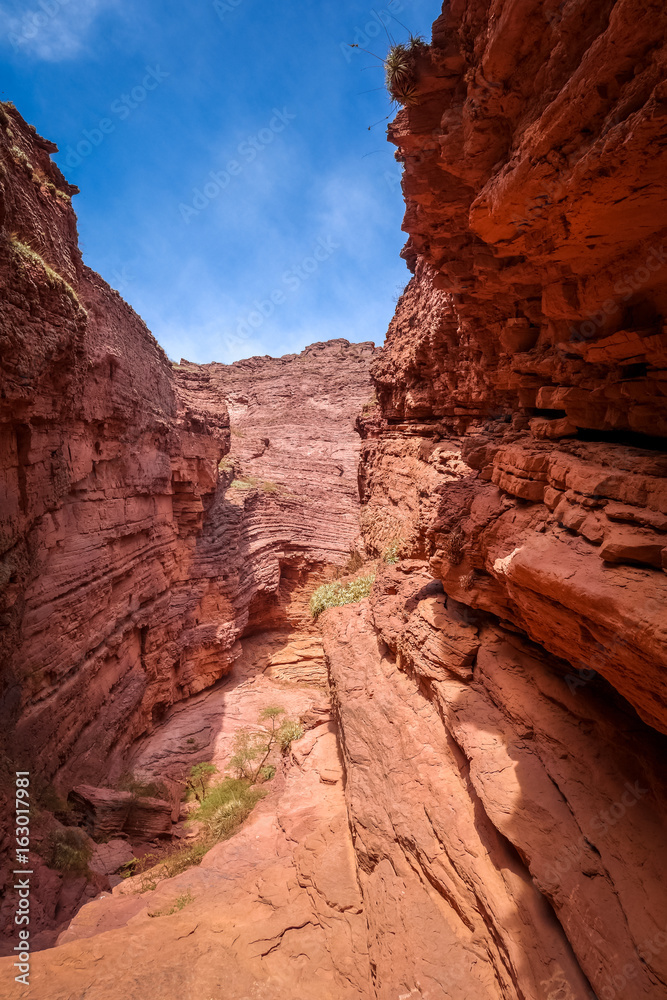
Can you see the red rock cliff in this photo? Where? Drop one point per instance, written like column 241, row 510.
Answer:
column 106, row 471
column 133, row 558
column 506, row 803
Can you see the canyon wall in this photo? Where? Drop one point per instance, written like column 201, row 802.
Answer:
column 503, row 698
column 106, row 474
column 135, row 555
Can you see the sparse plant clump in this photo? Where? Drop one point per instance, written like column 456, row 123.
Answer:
column 69, row 852
column 467, row 581
column 290, row 731
column 154, row 870
column 226, row 806
column 455, row 546
column 253, row 483
column 199, row 777
column 400, row 70
column 26, row 253
column 392, row 553
column 333, row 595
column 179, row 904
column 226, row 464
column 20, row 157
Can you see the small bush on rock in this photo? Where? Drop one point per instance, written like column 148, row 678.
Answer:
column 454, row 546
column 199, row 777
column 252, row 748
column 333, row 595
column 70, row 851
column 400, row 70
column 391, row 554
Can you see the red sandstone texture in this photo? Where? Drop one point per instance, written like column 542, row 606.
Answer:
column 506, row 816
column 129, row 564
column 522, row 391
column 506, row 804
column 134, row 556
column 507, row 829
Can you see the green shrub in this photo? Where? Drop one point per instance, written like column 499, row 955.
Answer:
column 332, row 595
column 179, row 903
column 391, row 553
column 226, row 806
column 290, row 731
column 199, row 777
column 252, row 748
column 70, row 851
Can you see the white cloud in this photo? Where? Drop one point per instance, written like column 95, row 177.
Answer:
column 52, row 30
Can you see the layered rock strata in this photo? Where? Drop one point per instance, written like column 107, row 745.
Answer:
column 106, row 471
column 520, row 438
column 518, row 452
column 136, row 552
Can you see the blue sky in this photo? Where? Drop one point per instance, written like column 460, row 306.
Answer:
column 230, row 188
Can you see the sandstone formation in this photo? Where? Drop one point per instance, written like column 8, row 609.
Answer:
column 507, row 829
column 517, row 452
column 106, row 471
column 135, row 556
column 478, row 807
column 522, row 390
column 274, row 912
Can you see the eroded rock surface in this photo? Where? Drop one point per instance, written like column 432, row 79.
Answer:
column 522, row 389
column 135, row 553
column 507, row 829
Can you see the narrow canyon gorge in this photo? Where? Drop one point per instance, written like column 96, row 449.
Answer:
column 473, row 803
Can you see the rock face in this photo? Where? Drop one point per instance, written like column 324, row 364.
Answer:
column 274, row 912
column 496, row 827
column 132, row 560
column 106, row 472
column 287, row 502
column 106, row 812
column 523, row 409
column 503, row 796
column 507, row 829
column 135, row 556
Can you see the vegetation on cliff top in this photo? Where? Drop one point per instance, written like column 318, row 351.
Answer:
column 400, row 70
